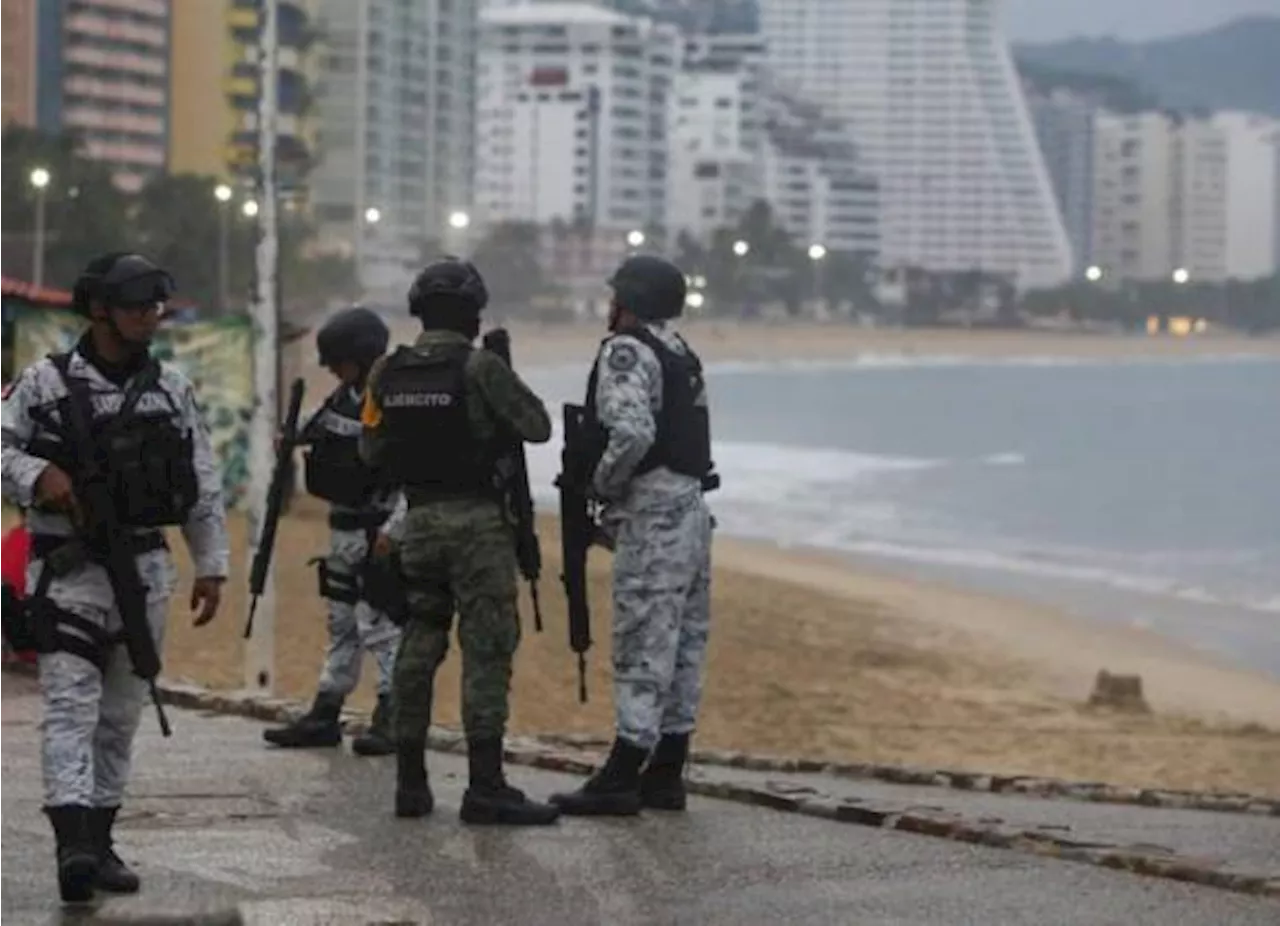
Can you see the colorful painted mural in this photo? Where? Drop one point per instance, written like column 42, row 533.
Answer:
column 216, row 355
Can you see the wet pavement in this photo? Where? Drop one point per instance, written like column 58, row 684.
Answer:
column 219, row 823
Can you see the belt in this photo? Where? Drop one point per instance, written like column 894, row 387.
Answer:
column 357, row 520
column 44, row 544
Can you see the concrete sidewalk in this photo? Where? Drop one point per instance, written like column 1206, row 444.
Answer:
column 219, row 822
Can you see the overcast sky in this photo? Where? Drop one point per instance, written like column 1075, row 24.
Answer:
column 1038, row 20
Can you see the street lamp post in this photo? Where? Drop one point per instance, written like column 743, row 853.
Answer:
column 371, row 217
column 459, row 222
column 222, row 193
column 817, row 253
column 40, row 180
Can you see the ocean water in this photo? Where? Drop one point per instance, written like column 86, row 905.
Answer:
column 1143, row 491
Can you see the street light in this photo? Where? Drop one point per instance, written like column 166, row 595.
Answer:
column 635, row 238
column 1093, row 273
column 741, row 248
column 250, row 208
column 695, row 300
column 816, row 254
column 1181, row 275
column 39, row 179
column 459, row 220
column 222, row 193
column 372, row 215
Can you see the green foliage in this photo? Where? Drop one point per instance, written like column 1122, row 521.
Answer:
column 1252, row 307
column 174, row 219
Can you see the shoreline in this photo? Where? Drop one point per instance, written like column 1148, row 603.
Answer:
column 814, row 657
column 571, row 343
column 1067, row 650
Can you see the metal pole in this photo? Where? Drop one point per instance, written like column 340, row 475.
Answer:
column 224, row 258
column 259, row 651
column 38, row 270
column 362, row 115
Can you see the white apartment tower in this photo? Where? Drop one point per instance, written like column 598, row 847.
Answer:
column 1134, row 178
column 715, row 165
column 1200, row 194
column 929, row 90
column 396, row 98
column 1252, row 193
column 814, row 178
column 1198, row 201
column 572, row 116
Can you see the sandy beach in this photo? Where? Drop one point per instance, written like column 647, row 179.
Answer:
column 812, row 657
column 551, row 344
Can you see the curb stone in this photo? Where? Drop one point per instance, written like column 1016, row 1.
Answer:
column 1025, row 785
column 563, row 754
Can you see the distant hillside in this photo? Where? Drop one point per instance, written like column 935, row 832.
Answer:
column 1235, row 66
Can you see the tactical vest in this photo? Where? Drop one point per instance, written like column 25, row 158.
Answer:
column 431, row 449
column 149, row 458
column 683, row 440
column 332, row 466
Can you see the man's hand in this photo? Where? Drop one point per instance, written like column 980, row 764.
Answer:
column 382, row 544
column 53, row 489
column 206, row 594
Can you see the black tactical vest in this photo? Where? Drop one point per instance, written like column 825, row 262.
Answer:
column 149, row 457
column 333, row 469
column 430, row 445
column 683, row 440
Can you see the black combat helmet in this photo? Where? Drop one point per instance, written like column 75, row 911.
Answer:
column 649, row 287
column 121, row 279
column 457, row 280
column 356, row 334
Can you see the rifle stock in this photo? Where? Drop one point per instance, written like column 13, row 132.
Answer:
column 518, row 494
column 275, row 501
column 577, row 526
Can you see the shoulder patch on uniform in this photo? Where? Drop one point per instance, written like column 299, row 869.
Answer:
column 622, row 357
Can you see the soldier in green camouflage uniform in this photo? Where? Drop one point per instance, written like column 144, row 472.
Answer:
column 436, row 413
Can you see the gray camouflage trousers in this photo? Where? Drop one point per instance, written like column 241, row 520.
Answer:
column 90, row 719
column 661, row 618
column 353, row 625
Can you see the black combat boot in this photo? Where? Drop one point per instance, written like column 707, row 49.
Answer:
column 413, row 792
column 77, row 857
column 113, row 874
column 614, row 790
column 376, row 741
column 317, row 727
column 662, row 781
column 489, row 799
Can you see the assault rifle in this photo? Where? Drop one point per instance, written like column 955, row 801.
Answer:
column 98, row 522
column 280, row 477
column 578, row 530
column 517, row 494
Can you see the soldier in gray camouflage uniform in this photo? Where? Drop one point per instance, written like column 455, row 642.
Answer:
column 92, row 699
column 647, row 393
column 363, row 517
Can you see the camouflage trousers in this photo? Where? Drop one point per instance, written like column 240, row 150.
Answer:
column 90, row 717
column 661, row 618
column 457, row 554
column 354, row 626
